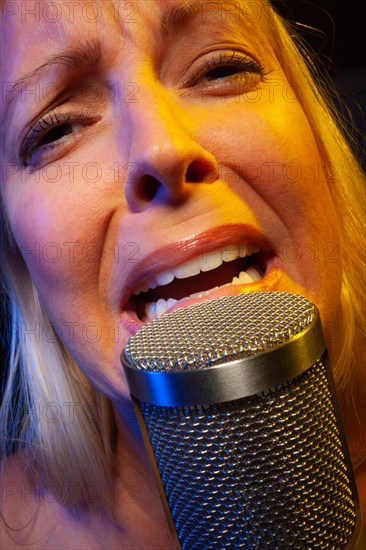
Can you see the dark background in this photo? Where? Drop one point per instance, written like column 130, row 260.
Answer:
column 336, row 32
column 341, row 28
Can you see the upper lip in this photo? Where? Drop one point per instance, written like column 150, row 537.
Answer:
column 175, row 254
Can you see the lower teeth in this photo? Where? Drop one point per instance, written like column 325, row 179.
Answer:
column 154, row 310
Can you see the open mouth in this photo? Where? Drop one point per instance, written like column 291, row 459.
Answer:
column 240, row 263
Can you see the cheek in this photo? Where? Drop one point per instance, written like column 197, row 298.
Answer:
column 273, row 164
column 60, row 235
column 62, row 244
column 42, row 231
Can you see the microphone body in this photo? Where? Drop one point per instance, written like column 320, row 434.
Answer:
column 237, row 406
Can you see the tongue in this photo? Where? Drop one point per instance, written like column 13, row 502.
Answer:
column 180, row 288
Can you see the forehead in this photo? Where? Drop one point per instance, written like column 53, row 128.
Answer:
column 51, row 33
column 44, row 32
column 40, row 23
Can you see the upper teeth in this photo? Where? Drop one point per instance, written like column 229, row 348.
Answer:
column 205, row 262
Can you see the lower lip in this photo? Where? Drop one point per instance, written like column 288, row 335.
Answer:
column 269, row 283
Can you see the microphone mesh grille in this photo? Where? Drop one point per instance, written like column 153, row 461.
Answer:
column 265, row 472
column 218, row 331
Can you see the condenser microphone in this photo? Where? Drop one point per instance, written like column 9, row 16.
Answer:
column 236, row 403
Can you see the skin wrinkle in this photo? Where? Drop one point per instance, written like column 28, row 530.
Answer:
column 78, row 56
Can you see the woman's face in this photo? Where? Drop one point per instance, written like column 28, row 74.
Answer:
column 145, row 142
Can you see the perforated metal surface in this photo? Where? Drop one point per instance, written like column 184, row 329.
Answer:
column 203, row 335
column 265, row 472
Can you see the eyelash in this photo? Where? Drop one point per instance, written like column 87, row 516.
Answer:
column 32, row 145
column 224, row 61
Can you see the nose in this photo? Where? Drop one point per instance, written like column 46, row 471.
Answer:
column 165, row 161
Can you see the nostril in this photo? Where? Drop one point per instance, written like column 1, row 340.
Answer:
column 167, row 179
column 148, row 187
column 200, row 171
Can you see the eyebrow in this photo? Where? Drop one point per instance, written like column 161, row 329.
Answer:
column 177, row 15
column 231, row 14
column 81, row 56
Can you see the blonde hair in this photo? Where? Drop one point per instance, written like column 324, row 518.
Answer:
column 44, row 375
column 346, row 182
column 57, row 418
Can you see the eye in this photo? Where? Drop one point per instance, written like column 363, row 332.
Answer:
column 222, row 72
column 55, row 133
column 229, row 63
column 51, row 131
column 238, row 72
